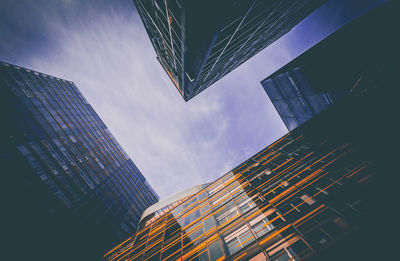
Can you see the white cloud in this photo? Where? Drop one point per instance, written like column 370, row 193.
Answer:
column 175, row 144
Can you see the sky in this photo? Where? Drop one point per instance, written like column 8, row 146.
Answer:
column 103, row 48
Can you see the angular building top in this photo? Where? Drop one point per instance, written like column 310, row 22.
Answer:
column 161, row 207
column 199, row 42
column 333, row 68
column 69, row 170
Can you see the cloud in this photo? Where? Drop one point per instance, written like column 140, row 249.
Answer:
column 105, row 50
column 175, row 144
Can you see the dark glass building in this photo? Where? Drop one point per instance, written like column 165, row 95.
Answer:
column 198, row 42
column 318, row 193
column 68, row 180
column 333, row 68
column 293, row 97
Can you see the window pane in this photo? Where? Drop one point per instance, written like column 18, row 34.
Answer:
column 237, row 239
column 215, row 250
column 230, row 212
column 260, row 225
column 272, row 90
column 208, row 223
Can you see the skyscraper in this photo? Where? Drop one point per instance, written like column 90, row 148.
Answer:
column 199, row 42
column 362, row 50
column 69, row 180
column 314, row 194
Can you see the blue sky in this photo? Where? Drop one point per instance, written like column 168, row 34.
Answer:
column 102, row 46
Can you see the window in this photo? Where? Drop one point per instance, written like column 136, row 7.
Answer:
column 172, row 251
column 214, row 188
column 225, row 216
column 220, row 198
column 282, row 256
column 72, row 138
column 193, row 237
column 309, row 200
column 215, row 250
column 245, row 203
column 204, row 207
column 260, row 225
column 190, row 217
column 237, row 239
column 208, row 223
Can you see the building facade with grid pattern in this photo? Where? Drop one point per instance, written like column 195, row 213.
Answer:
column 307, row 196
column 73, row 169
column 199, row 42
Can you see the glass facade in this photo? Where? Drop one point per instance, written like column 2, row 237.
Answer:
column 52, row 129
column 335, row 67
column 166, row 205
column 290, row 201
column 197, row 46
column 294, row 99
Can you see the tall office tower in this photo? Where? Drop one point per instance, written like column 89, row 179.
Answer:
column 68, row 180
column 310, row 83
column 198, row 42
column 314, row 194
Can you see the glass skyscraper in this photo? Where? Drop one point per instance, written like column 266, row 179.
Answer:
column 314, row 194
column 361, row 50
column 70, row 180
column 293, row 98
column 199, row 42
